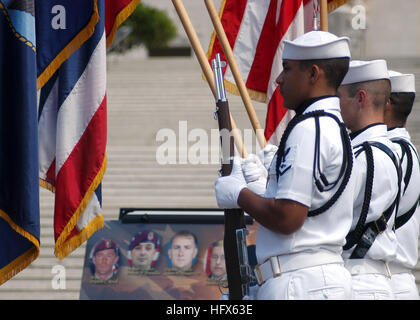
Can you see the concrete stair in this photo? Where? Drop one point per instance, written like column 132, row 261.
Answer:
column 146, row 95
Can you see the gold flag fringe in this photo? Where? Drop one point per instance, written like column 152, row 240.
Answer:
column 46, row 185
column 121, row 17
column 64, row 246
column 23, row 260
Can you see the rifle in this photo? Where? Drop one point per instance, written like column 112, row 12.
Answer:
column 234, row 218
column 247, row 276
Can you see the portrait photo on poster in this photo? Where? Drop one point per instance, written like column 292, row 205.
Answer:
column 103, row 262
column 155, row 261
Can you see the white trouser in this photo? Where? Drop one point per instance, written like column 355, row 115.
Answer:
column 371, row 279
column 323, row 282
column 404, row 286
column 371, row 287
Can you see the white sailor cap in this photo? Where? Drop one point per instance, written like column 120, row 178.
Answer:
column 316, row 45
column 402, row 82
column 361, row 71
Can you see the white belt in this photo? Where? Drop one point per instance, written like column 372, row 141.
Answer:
column 276, row 265
column 367, row 266
column 397, row 268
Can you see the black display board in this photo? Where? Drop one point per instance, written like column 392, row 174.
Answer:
column 157, row 254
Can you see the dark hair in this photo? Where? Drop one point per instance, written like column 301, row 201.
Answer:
column 379, row 90
column 402, row 104
column 335, row 69
column 186, row 233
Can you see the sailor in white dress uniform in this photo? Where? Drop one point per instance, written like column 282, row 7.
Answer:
column 408, row 216
column 372, row 243
column 304, row 213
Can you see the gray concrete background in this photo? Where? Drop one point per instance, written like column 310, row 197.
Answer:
column 146, row 95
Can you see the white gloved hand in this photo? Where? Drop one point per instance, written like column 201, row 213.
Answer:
column 255, row 174
column 228, row 188
column 266, row 155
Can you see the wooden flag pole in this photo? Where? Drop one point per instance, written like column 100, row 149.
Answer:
column 259, row 132
column 205, row 66
column 324, row 15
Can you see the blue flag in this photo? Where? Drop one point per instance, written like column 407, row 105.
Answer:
column 19, row 178
column 62, row 26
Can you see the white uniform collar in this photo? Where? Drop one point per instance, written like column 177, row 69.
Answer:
column 398, row 132
column 330, row 103
column 371, row 132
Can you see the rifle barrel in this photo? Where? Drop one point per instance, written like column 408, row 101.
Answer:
column 234, row 218
column 218, row 66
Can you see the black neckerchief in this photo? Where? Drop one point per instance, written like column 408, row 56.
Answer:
column 397, row 127
column 356, row 133
column 305, row 104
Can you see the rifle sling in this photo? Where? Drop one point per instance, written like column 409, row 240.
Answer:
column 403, row 219
column 321, row 183
column 371, row 230
column 405, row 148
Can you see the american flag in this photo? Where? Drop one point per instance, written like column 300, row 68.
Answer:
column 256, row 31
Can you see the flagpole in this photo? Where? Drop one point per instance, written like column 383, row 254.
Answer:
column 235, row 71
column 205, row 66
column 324, row 15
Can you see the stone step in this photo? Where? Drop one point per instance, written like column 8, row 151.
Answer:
column 161, row 192
column 147, row 176
column 37, row 284
column 51, row 261
column 134, row 182
column 47, row 274
column 111, row 210
column 161, row 170
column 40, row 294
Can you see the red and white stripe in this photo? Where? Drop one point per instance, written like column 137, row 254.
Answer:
column 72, row 146
column 277, row 116
column 256, row 30
column 72, row 136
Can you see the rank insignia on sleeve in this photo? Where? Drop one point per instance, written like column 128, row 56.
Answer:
column 287, row 159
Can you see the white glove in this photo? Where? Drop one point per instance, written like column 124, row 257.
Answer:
column 228, row 188
column 255, row 174
column 266, row 155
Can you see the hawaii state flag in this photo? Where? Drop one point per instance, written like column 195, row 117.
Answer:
column 72, row 127
column 256, row 30
column 19, row 188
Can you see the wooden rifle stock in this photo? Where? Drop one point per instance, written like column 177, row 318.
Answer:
column 234, row 218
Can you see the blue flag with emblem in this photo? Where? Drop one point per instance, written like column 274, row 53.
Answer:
column 19, row 182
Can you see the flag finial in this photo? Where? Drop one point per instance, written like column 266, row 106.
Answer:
column 316, row 24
